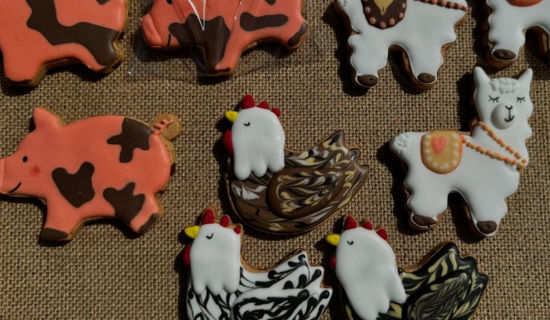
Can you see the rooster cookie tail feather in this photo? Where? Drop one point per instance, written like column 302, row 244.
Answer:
column 167, row 126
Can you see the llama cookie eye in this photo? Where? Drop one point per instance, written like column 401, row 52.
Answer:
column 279, row 191
column 481, row 166
column 503, row 116
column 223, row 286
column 495, row 99
column 374, row 287
column 520, row 99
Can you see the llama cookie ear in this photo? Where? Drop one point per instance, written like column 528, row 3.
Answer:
column 221, row 283
column 476, row 165
column 284, row 192
column 480, row 77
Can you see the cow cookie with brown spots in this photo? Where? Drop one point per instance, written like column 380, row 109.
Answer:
column 101, row 167
column 36, row 35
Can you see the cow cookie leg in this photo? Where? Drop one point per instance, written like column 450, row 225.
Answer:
column 507, row 36
column 486, row 212
column 367, row 58
column 147, row 216
column 425, row 205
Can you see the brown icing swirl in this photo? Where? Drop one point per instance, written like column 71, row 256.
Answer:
column 313, row 185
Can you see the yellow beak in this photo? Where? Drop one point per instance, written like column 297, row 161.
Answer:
column 333, row 239
column 231, row 115
column 192, row 232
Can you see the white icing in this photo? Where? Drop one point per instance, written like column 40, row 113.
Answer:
column 422, row 33
column 215, row 262
column 258, row 146
column 508, row 22
column 276, row 292
column 483, row 182
column 366, row 268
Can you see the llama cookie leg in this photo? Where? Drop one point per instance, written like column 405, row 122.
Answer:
column 507, row 36
column 366, row 60
column 425, row 205
column 424, row 63
column 486, row 212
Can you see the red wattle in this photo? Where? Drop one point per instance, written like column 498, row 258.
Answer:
column 187, row 255
column 332, row 263
column 228, row 141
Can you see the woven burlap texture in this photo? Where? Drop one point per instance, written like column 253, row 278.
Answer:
column 107, row 273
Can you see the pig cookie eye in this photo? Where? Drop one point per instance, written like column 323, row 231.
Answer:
column 521, row 99
column 350, row 242
column 210, row 236
column 247, row 124
column 25, row 159
column 491, row 99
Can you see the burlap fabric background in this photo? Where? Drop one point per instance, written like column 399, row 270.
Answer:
column 107, row 273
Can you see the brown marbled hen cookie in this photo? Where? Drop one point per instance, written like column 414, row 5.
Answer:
column 297, row 194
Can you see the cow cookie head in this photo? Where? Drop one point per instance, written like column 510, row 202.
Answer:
column 365, row 266
column 505, row 105
column 257, row 139
column 215, row 255
column 25, row 171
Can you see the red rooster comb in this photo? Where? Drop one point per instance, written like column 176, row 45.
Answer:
column 248, row 102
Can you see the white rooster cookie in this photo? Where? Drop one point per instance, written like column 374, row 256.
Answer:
column 443, row 286
column 482, row 167
column 222, row 286
column 508, row 21
column 422, row 29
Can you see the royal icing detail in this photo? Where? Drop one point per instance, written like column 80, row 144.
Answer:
column 223, row 29
column 366, row 268
column 441, row 150
column 420, row 27
column 222, row 287
column 507, row 24
column 257, row 139
column 301, row 190
column 93, row 168
column 444, row 286
column 487, row 171
column 37, row 34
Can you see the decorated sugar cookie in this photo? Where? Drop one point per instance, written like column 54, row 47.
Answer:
column 422, row 29
column 508, row 21
column 284, row 192
column 483, row 167
column 36, row 35
column 223, row 29
column 222, row 286
column 100, row 167
column 442, row 286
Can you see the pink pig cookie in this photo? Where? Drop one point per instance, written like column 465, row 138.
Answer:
column 101, row 167
column 36, row 35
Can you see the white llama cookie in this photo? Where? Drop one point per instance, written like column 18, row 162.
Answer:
column 482, row 167
column 222, row 286
column 421, row 28
column 508, row 21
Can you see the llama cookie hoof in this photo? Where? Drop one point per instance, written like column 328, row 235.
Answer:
column 421, row 222
column 222, row 285
column 482, row 166
column 367, row 81
column 101, row 167
column 443, row 286
column 283, row 192
column 508, row 21
column 225, row 29
column 422, row 30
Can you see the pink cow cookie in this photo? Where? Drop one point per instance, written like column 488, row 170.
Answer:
column 36, row 35
column 101, row 167
column 223, row 29
column 482, row 166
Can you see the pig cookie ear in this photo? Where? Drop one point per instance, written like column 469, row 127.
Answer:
column 43, row 118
